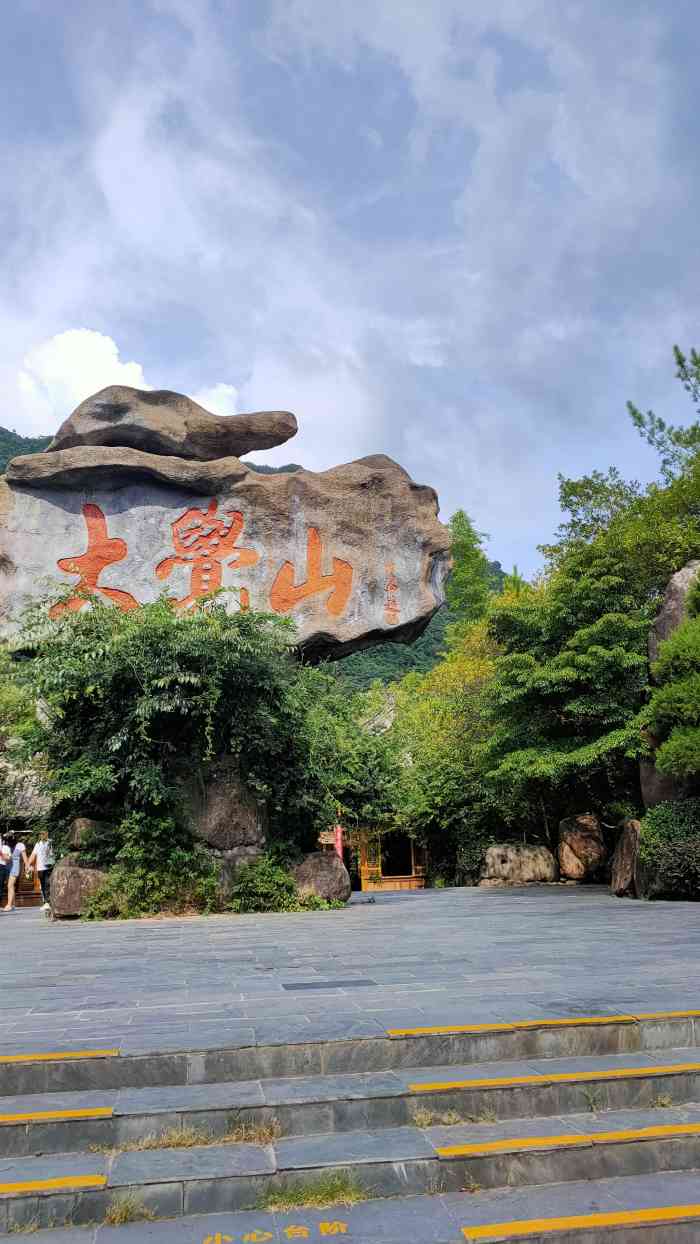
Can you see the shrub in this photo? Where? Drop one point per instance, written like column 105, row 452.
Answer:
column 674, row 708
column 669, row 849
column 265, row 885
column 676, row 820
column 186, row 881
column 678, row 869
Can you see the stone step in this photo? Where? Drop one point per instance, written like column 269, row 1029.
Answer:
column 396, row 1162
column 139, row 1055
column 661, row 1209
column 65, row 1121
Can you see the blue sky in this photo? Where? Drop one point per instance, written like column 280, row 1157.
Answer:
column 457, row 233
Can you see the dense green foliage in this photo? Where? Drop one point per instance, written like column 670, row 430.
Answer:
column 266, row 885
column 535, row 713
column 670, row 849
column 389, row 662
column 674, row 709
column 136, row 704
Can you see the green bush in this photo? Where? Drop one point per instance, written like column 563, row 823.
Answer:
column 669, row 849
column 678, row 869
column 156, row 870
column 265, row 885
column 675, row 820
column 674, row 709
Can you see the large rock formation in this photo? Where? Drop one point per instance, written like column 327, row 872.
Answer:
column 581, row 847
column 515, row 864
column 222, row 812
column 673, row 610
column 324, row 875
column 624, row 860
column 658, row 787
column 136, row 505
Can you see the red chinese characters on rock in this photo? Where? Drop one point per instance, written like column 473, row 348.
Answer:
column 392, row 610
column 203, row 541
column 102, row 551
column 285, row 594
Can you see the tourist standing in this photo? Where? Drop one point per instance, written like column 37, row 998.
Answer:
column 19, row 857
column 42, row 858
column 5, row 863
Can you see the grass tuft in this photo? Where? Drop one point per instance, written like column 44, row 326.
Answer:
column 336, row 1189
column 191, row 1138
column 127, row 1209
column 433, row 1118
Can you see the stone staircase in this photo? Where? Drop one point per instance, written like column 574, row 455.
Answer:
column 584, row 1129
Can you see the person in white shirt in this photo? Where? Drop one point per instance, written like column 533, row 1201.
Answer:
column 19, row 855
column 42, row 858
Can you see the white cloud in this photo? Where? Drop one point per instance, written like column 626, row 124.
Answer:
column 220, row 399
column 478, row 300
column 61, row 372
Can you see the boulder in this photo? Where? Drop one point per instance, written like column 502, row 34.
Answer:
column 324, row 874
column 72, row 885
column 353, row 556
column 581, row 847
column 83, row 827
column 515, row 864
column 624, row 860
column 161, row 422
column 673, row 610
column 94, row 466
column 658, row 787
column 223, row 812
column 24, row 787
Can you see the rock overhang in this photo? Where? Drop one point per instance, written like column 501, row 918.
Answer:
column 354, row 555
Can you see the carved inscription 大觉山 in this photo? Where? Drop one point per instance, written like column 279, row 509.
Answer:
column 102, row 551
column 285, row 594
column 203, row 541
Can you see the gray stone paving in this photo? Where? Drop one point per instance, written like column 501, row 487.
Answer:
column 468, row 955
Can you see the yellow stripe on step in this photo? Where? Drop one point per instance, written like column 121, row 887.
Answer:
column 26, row 1187
column 440, row 1029
column 515, row 1026
column 513, row 1146
column 56, row 1116
column 668, row 1014
column 58, row 1056
column 518, row 1143
column 560, row 1077
column 623, row 1218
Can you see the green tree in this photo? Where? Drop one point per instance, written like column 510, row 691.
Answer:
column 470, row 580
column 572, row 675
column 677, row 446
column 136, row 704
column 473, row 577
column 673, row 713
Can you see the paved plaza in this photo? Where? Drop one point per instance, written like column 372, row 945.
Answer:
column 462, row 955
column 116, row 1036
